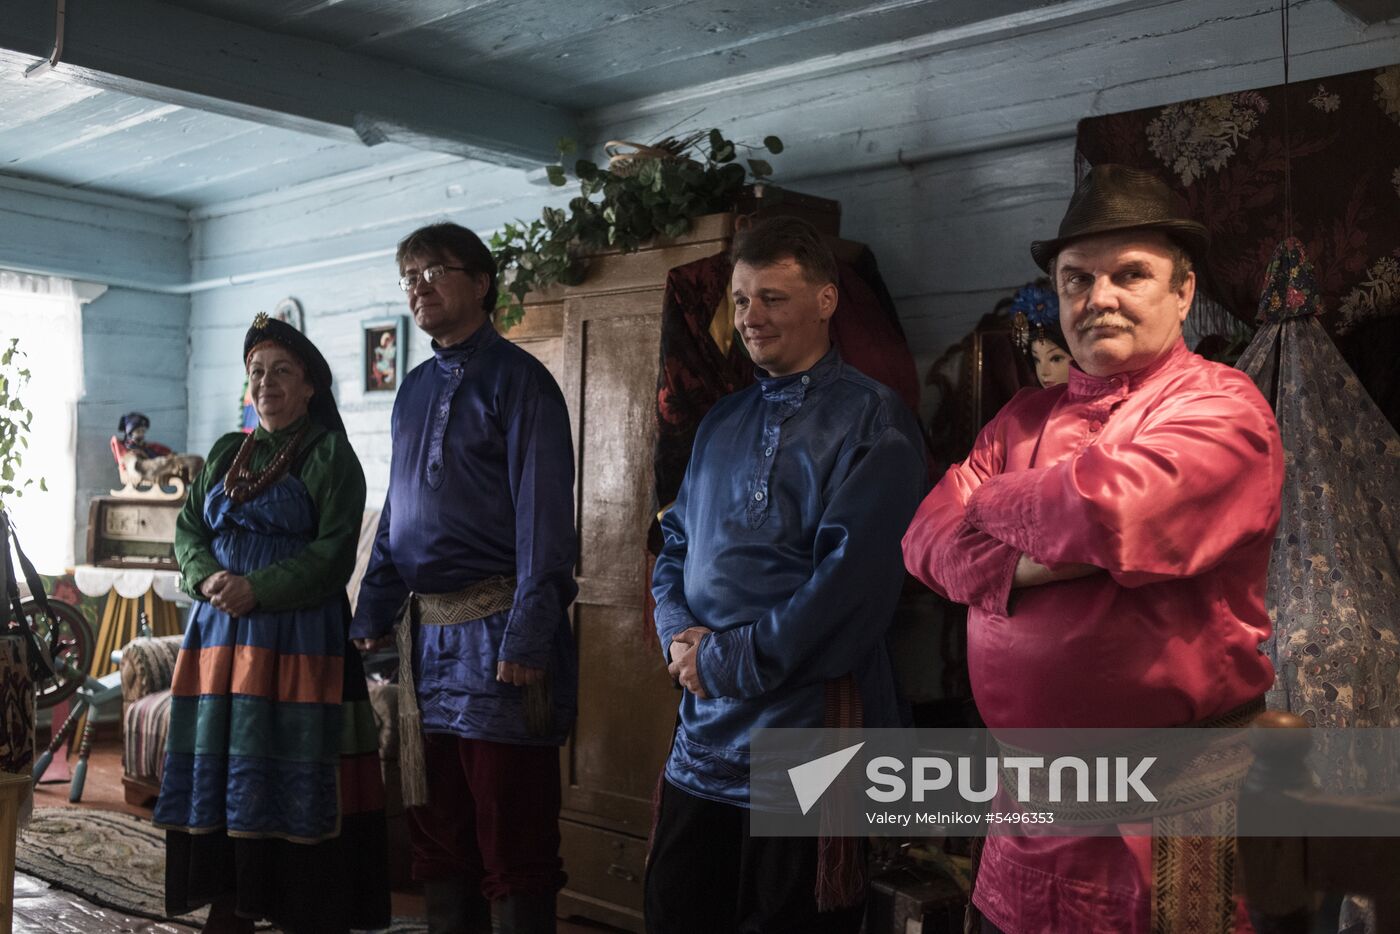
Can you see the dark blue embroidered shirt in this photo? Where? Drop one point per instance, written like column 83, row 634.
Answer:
column 480, row 485
column 785, row 540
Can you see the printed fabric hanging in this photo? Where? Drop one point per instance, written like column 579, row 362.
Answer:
column 1335, row 570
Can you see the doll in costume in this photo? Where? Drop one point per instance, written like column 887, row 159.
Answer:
column 1035, row 327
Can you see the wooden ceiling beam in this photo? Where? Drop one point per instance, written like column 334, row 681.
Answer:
column 172, row 55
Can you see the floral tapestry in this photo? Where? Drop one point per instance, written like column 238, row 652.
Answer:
column 1226, row 156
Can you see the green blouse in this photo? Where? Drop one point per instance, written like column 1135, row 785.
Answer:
column 332, row 475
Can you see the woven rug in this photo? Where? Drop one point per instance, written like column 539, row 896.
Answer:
column 112, row 859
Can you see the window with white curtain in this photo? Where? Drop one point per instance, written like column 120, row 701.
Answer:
column 44, row 313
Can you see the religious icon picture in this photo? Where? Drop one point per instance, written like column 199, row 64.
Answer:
column 385, row 353
column 288, row 310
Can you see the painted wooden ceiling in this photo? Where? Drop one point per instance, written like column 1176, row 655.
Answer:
column 80, row 136
column 585, row 54
column 245, row 97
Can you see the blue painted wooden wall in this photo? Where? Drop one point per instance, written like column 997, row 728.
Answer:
column 135, row 358
column 135, row 343
column 371, row 215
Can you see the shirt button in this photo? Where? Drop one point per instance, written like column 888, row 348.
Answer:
column 758, row 497
column 806, row 380
column 767, row 452
column 1095, row 426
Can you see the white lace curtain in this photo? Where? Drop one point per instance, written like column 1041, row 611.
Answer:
column 44, row 314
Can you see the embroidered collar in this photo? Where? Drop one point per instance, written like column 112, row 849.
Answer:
column 796, row 385
column 464, row 350
column 1084, row 386
column 281, row 434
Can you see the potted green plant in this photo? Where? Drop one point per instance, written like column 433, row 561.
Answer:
column 643, row 193
column 14, row 424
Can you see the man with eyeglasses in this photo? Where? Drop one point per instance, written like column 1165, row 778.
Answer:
column 473, row 565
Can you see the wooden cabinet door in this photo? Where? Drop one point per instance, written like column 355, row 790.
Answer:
column 627, row 705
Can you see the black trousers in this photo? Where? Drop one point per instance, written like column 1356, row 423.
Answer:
column 706, row 875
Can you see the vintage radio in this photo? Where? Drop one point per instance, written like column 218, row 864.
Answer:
column 132, row 533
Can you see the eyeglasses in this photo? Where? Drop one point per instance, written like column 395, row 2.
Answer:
column 430, row 275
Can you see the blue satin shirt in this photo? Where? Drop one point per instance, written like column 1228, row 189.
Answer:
column 480, row 485
column 785, row 540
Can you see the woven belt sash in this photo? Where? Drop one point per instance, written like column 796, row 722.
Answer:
column 482, row 599
column 1193, row 824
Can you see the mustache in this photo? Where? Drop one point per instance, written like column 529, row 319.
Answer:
column 1103, row 320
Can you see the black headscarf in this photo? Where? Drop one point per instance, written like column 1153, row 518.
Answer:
column 322, row 408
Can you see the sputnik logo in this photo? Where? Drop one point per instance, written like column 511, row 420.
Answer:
column 810, row 780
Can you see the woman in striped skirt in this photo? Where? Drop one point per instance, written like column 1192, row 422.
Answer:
column 271, row 793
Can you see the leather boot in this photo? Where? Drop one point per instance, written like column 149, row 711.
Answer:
column 453, row 907
column 223, row 920
column 523, row 914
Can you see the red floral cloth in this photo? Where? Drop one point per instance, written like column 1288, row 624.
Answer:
column 1226, row 156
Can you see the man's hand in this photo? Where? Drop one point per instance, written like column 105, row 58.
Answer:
column 516, row 674
column 685, row 660
column 1031, row 573
column 373, row 644
column 235, row 597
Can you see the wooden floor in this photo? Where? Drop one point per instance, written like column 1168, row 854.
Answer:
column 40, row 910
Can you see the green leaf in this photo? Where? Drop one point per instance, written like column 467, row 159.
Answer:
column 586, row 170
column 773, row 144
column 43, row 486
column 725, row 153
column 717, row 140
column 556, row 175
column 732, row 175
column 760, row 168
column 567, row 146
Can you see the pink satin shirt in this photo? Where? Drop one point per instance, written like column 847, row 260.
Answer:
column 1168, row 478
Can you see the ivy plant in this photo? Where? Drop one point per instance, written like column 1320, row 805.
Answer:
column 14, row 424
column 621, row 208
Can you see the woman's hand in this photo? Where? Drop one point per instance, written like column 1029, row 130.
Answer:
column 213, row 584
column 235, row 597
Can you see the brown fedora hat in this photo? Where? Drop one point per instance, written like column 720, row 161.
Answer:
column 1115, row 197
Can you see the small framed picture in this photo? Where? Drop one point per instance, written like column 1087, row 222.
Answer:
column 384, row 349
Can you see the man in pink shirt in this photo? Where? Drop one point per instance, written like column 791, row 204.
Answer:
column 1111, row 537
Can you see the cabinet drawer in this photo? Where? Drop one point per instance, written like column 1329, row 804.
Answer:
column 605, row 874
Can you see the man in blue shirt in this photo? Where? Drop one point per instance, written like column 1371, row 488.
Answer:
column 775, row 587
column 478, row 528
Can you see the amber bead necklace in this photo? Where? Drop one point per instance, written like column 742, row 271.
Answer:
column 241, row 484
